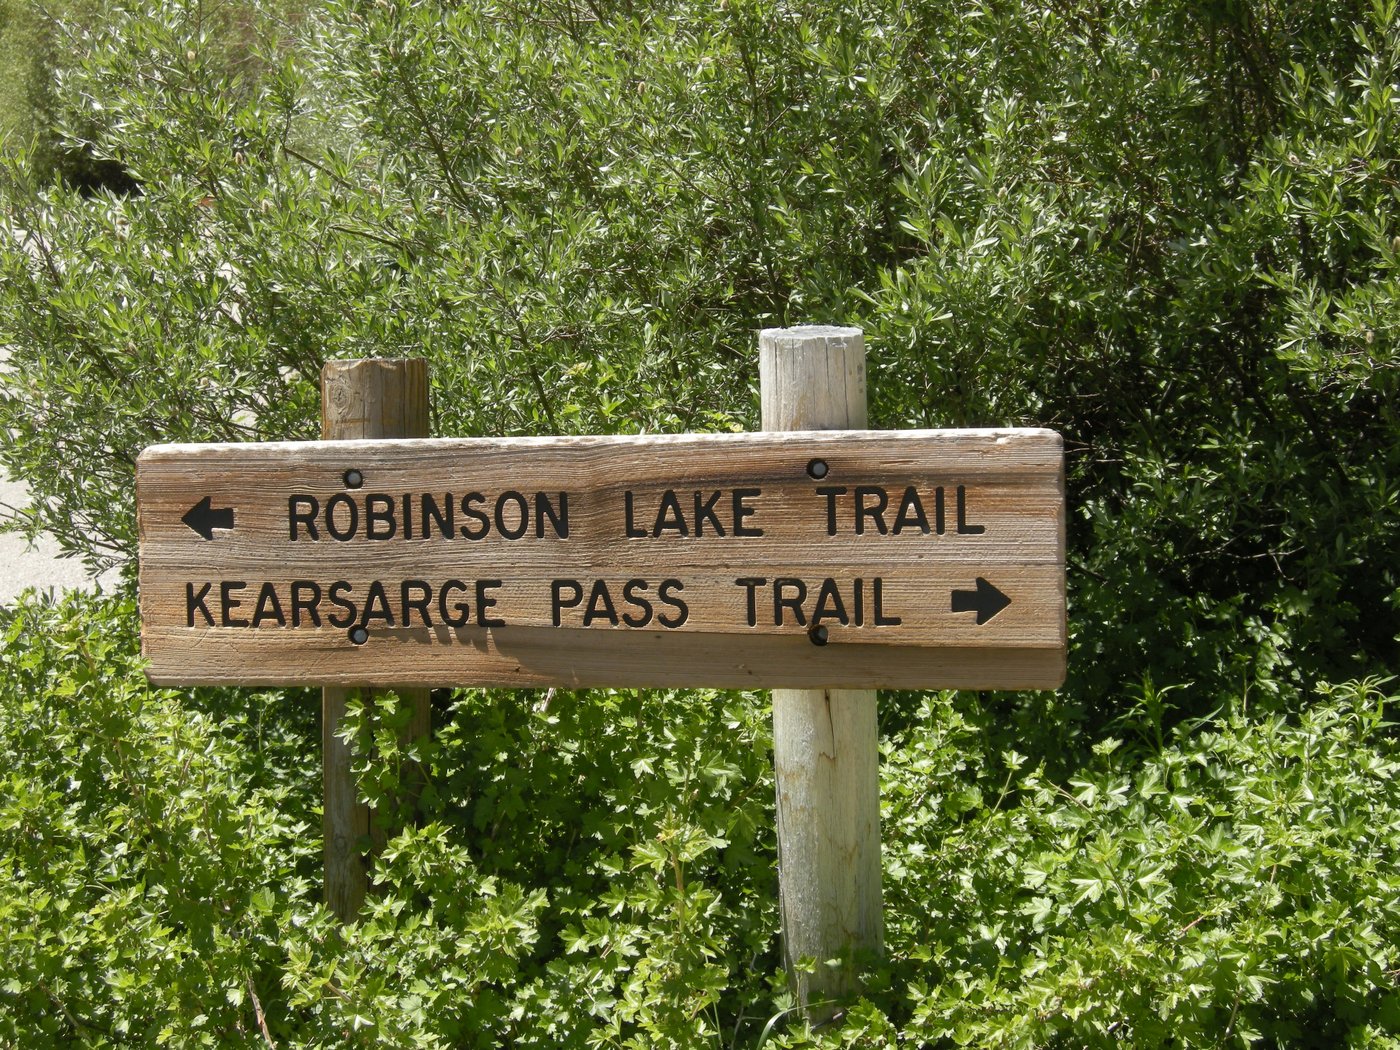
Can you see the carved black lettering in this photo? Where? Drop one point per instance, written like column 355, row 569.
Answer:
column 376, row 606
column 705, row 511
column 269, row 606
column 939, row 511
column 409, row 603
column 453, row 614
column 443, row 517
column 469, row 504
column 875, row 513
column 858, row 603
column 337, row 591
column 750, row 585
column 379, row 517
column 829, row 605
column 352, row 517
column 407, row 505
column 195, row 600
column 782, row 600
column 631, row 594
column 669, row 593
column 630, row 528
column 308, row 604
column 831, row 492
column 522, row 512
column 669, row 516
column 881, row 620
column 302, row 510
column 227, row 603
column 486, row 602
column 911, row 513
column 743, row 511
column 559, row 602
column 558, row 519
column 964, row 529
column 600, row 605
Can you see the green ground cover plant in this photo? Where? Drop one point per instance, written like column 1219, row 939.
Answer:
column 597, row 870
column 1167, row 229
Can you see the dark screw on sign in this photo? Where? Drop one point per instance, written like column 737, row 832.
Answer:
column 817, row 469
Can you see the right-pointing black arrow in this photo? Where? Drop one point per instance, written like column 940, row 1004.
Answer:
column 204, row 518
column 986, row 601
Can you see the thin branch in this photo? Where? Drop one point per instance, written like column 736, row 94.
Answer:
column 355, row 232
column 262, row 1018
column 453, row 185
column 294, row 154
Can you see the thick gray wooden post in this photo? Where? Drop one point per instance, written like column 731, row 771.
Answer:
column 362, row 399
column 825, row 751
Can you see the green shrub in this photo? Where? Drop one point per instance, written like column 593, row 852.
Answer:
column 1235, row 887
column 597, row 870
column 143, row 861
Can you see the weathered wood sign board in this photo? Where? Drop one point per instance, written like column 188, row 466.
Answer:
column 852, row 558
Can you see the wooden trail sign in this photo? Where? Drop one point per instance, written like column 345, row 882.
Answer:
column 846, row 558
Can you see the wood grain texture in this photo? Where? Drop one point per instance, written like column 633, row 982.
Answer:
column 826, row 757
column 364, row 399
column 374, row 398
column 1012, row 492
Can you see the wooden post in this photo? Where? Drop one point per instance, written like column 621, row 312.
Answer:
column 825, row 749
column 362, row 399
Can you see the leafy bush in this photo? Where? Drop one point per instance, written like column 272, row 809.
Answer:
column 597, row 870
column 142, row 854
column 41, row 44
column 1236, row 886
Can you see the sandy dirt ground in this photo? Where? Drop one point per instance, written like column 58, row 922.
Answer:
column 23, row 566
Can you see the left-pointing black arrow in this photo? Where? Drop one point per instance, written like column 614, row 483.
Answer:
column 204, row 519
column 986, row 601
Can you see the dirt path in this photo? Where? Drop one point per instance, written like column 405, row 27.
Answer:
column 23, row 566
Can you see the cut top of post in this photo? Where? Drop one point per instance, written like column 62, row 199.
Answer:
column 812, row 378
column 374, row 398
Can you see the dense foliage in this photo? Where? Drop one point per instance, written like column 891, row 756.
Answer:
column 596, row 870
column 1165, row 228
column 156, row 850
